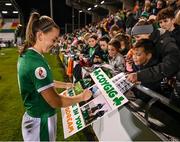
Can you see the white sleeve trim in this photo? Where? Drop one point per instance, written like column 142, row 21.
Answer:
column 45, row 87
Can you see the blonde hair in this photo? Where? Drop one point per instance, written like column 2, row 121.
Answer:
column 86, row 36
column 37, row 23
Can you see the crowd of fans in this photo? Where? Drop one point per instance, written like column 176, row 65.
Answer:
column 143, row 42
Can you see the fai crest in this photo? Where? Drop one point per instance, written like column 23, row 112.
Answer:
column 40, row 73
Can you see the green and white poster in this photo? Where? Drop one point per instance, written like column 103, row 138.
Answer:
column 107, row 96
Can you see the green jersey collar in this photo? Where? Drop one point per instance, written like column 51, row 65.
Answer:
column 31, row 48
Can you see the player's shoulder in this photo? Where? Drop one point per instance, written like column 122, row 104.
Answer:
column 32, row 55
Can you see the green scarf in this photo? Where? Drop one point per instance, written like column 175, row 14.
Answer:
column 91, row 51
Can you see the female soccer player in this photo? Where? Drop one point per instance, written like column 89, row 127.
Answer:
column 36, row 84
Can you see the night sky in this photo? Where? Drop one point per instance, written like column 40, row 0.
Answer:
column 62, row 13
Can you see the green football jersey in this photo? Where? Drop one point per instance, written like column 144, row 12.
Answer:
column 34, row 76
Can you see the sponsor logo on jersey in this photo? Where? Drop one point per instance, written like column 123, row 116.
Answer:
column 40, row 73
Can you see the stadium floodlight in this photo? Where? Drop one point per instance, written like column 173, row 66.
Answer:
column 95, row 5
column 8, row 4
column 89, row 8
column 102, row 2
column 80, row 11
column 15, row 12
column 4, row 12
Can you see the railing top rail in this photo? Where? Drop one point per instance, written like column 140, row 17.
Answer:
column 162, row 99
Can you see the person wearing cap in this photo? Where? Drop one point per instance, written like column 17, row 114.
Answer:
column 142, row 30
column 166, row 53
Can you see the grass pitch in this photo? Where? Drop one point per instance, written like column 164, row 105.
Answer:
column 11, row 107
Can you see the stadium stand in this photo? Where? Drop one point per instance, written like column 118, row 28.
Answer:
column 134, row 14
column 9, row 21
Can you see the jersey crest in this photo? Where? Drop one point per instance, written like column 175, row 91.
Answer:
column 40, row 73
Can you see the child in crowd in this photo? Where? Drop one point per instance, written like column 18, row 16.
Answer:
column 87, row 59
column 85, row 49
column 116, row 60
column 168, row 22
column 114, row 30
column 166, row 19
column 93, row 47
column 143, row 58
column 101, row 55
column 69, row 42
column 176, row 31
column 93, row 44
column 160, row 4
column 125, row 43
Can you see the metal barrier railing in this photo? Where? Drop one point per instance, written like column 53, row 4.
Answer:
column 156, row 97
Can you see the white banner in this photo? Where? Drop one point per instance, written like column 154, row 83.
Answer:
column 114, row 97
column 106, row 97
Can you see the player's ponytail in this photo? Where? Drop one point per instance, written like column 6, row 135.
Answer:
column 30, row 34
